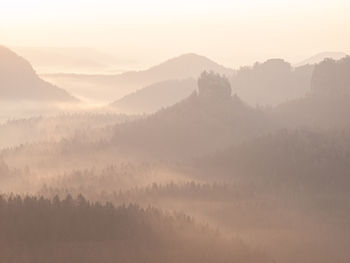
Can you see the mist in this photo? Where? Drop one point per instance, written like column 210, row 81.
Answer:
column 162, row 132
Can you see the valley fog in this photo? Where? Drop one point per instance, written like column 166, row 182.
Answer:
column 103, row 159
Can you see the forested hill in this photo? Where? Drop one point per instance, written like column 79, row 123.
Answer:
column 38, row 230
column 311, row 160
column 208, row 120
column 327, row 105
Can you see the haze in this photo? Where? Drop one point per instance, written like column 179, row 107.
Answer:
column 174, row 131
column 149, row 32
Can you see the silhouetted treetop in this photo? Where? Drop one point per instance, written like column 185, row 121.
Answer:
column 275, row 65
column 332, row 76
column 212, row 85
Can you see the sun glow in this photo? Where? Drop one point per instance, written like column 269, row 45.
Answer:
column 143, row 28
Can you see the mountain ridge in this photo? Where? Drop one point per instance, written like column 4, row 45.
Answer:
column 19, row 81
column 117, row 86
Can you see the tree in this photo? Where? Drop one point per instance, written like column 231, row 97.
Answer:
column 211, row 85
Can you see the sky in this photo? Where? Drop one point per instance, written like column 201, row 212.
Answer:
column 232, row 32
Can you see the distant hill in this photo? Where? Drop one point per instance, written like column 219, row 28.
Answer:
column 19, row 82
column 209, row 120
column 328, row 103
column 293, row 157
column 155, row 97
column 320, row 57
column 114, row 87
column 272, row 82
column 332, row 76
column 205, row 122
column 71, row 59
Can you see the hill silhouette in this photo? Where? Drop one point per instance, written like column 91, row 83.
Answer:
column 272, row 82
column 332, row 76
column 155, row 97
column 320, row 57
column 327, row 105
column 18, row 81
column 208, row 120
column 119, row 85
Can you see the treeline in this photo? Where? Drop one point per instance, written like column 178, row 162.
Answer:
column 204, row 197
column 310, row 160
column 35, row 229
column 119, row 176
column 39, row 129
column 189, row 191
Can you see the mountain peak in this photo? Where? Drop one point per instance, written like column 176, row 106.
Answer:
column 190, row 56
column 191, row 65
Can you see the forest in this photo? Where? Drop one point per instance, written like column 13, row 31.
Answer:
column 249, row 166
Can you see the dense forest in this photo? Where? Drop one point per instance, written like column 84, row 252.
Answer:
column 35, row 229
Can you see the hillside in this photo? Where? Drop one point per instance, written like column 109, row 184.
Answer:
column 210, row 156
column 40, row 230
column 317, row 161
column 272, row 82
column 19, row 82
column 155, row 97
column 50, row 129
column 114, row 87
column 206, row 121
column 327, row 104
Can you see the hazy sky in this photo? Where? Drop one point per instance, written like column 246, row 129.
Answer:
column 230, row 32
